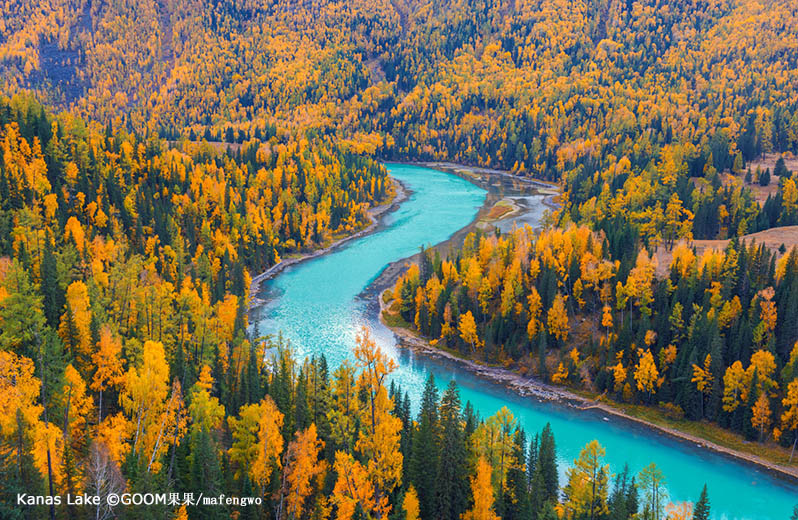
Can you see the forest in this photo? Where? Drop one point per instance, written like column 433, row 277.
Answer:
column 623, row 102
column 127, row 364
column 155, row 156
column 714, row 337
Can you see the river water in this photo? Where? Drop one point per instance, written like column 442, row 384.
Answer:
column 316, row 305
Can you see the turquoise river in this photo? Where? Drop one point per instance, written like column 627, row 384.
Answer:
column 317, row 306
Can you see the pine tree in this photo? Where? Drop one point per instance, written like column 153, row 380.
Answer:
column 617, row 503
column 532, row 457
column 301, row 417
column 632, row 499
column 406, row 441
column 764, row 177
column 547, row 461
column 451, row 499
column 18, row 473
column 50, row 366
column 282, row 388
column 68, row 332
column 701, row 510
column 780, row 170
column 179, row 364
column 749, row 430
column 537, row 491
column 542, row 346
column 248, row 513
column 470, row 418
column 425, row 449
column 319, row 395
column 516, row 503
column 206, row 475
column 548, row 512
column 53, row 296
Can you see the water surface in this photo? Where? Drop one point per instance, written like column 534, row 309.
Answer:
column 316, row 306
column 532, row 209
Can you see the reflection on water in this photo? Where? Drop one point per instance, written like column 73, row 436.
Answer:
column 316, row 307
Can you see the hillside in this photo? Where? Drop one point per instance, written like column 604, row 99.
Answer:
column 778, row 240
column 624, row 102
column 155, row 155
column 527, row 84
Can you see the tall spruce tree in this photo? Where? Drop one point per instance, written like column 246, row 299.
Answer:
column 470, row 418
column 632, row 499
column 52, row 294
column 424, row 451
column 516, row 494
column 547, row 461
column 206, row 476
column 301, row 414
column 451, row 498
column 618, row 503
column 406, row 439
column 701, row 511
column 19, row 474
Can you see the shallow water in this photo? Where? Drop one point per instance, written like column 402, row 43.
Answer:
column 532, row 208
column 316, row 306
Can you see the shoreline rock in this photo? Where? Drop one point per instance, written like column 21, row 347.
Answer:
column 530, row 386
column 525, row 387
column 533, row 387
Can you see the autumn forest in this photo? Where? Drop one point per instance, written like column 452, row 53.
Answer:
column 157, row 156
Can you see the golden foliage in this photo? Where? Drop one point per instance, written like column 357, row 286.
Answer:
column 482, row 492
column 257, row 441
column 303, row 470
column 646, row 373
column 410, row 504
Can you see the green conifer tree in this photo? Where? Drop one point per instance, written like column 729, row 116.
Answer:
column 451, row 499
column 424, row 452
column 701, row 510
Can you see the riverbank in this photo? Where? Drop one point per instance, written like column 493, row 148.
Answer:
column 533, row 387
column 475, row 171
column 318, row 306
column 374, row 214
column 481, row 221
column 521, row 385
column 490, row 179
column 495, row 208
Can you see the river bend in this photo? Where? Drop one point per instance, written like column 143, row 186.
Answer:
column 315, row 304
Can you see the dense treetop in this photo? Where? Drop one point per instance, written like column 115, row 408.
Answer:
column 527, row 85
column 188, row 145
column 624, row 101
